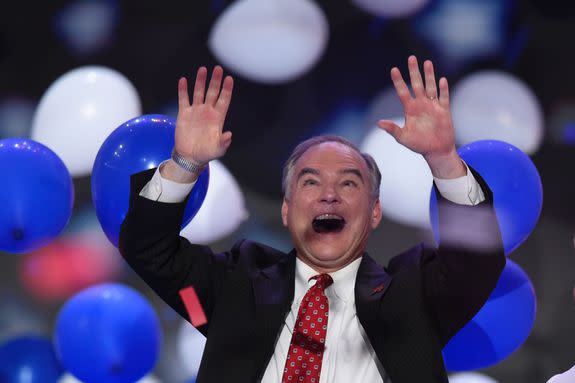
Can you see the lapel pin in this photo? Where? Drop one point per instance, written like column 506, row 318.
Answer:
column 377, row 289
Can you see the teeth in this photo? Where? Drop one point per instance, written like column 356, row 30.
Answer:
column 328, row 216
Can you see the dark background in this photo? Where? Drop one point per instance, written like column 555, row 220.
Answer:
column 157, row 42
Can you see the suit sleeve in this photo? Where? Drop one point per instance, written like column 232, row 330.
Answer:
column 459, row 276
column 150, row 243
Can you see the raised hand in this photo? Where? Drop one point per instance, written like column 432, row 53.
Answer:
column 428, row 128
column 199, row 128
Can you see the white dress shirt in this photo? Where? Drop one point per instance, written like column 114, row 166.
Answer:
column 349, row 355
column 566, row 377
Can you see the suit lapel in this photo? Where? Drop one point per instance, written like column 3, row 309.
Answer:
column 273, row 289
column 371, row 284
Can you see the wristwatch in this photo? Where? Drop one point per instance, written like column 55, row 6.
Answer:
column 185, row 164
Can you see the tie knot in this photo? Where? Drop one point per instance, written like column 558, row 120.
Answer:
column 323, row 280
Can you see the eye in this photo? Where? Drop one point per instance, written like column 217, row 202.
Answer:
column 309, row 181
column 349, row 183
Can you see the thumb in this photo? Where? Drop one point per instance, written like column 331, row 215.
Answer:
column 226, row 140
column 390, row 127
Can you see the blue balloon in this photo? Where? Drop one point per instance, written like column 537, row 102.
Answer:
column 29, row 359
column 37, row 195
column 139, row 144
column 108, row 333
column 516, row 186
column 499, row 328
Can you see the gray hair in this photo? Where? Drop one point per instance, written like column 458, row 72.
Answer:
column 301, row 148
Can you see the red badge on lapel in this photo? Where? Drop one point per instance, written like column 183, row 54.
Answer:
column 378, row 288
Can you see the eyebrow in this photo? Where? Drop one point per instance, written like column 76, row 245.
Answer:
column 305, row 171
column 313, row 171
column 352, row 171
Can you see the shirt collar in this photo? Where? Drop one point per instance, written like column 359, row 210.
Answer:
column 343, row 279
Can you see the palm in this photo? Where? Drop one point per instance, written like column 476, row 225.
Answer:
column 199, row 128
column 428, row 128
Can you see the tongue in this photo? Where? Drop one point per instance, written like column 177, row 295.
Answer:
column 330, row 225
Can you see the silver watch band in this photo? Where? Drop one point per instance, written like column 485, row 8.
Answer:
column 185, row 164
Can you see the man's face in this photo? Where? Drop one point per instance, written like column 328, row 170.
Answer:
column 328, row 209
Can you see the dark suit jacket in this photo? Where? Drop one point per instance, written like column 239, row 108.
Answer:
column 409, row 310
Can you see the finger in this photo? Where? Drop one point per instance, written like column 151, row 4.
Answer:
column 183, row 98
column 400, row 86
column 391, row 127
column 443, row 92
column 215, row 84
column 223, row 102
column 430, row 86
column 200, row 86
column 415, row 75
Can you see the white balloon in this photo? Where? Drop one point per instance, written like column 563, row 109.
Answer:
column 406, row 179
column 270, row 41
column 470, row 377
column 191, row 345
column 78, row 112
column 496, row 105
column 391, row 8
column 69, row 378
column 149, row 379
column 222, row 211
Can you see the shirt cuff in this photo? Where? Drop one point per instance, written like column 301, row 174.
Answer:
column 462, row 190
column 163, row 190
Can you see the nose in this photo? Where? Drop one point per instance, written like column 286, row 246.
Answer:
column 329, row 195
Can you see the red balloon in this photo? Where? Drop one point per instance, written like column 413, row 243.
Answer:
column 66, row 266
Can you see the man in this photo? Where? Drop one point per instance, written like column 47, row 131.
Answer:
column 325, row 312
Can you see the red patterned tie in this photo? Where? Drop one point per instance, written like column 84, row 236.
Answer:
column 303, row 363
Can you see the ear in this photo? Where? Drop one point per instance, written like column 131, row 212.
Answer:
column 376, row 214
column 285, row 212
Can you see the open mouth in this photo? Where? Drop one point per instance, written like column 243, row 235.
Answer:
column 328, row 223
